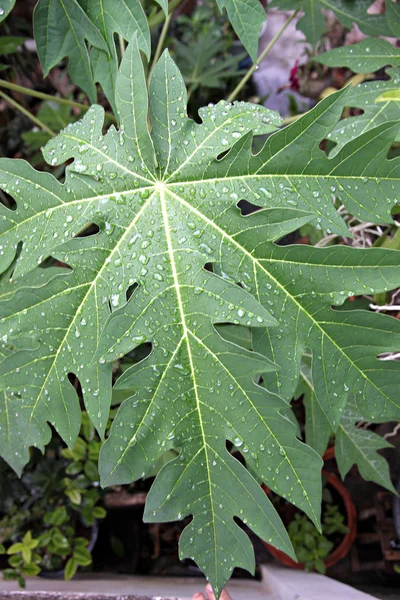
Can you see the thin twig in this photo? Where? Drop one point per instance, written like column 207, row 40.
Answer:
column 26, row 112
column 263, row 54
column 121, row 45
column 378, row 307
column 390, row 356
column 392, row 433
column 160, row 45
column 43, row 96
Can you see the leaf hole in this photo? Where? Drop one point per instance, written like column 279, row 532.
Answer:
column 74, row 381
column 248, row 208
column 131, row 289
column 140, row 353
column 88, row 230
column 222, row 154
column 7, row 200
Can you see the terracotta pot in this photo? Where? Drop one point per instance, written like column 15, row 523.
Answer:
column 344, row 547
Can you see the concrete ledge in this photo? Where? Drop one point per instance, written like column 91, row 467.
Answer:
column 292, row 584
column 100, row 586
column 278, row 583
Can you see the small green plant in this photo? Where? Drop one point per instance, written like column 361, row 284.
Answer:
column 57, row 547
column 333, row 521
column 60, row 498
column 311, row 546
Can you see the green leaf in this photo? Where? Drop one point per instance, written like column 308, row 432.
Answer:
column 392, row 14
column 247, row 18
column 13, row 442
column 70, row 569
column 365, row 96
column 10, row 574
column 353, row 444
column 320, row 566
column 359, row 446
column 74, row 495
column 346, row 11
column 164, row 5
column 204, row 63
column 365, row 57
column 10, row 44
column 124, row 19
column 30, row 569
column 15, row 561
column 90, row 470
column 82, row 556
column 391, row 96
column 317, row 426
column 99, row 512
column 164, row 267
column 15, row 548
column 61, row 29
column 6, row 7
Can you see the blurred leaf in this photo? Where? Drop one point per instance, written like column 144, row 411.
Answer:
column 346, row 11
column 70, row 569
column 10, row 44
column 247, row 18
column 359, row 446
column 61, row 29
column 6, row 7
column 365, row 57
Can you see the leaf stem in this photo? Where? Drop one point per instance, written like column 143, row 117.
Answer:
column 43, row 96
column 160, row 45
column 263, row 54
column 291, row 119
column 158, row 18
column 26, row 112
column 121, row 45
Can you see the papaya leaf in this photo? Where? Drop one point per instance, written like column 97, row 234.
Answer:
column 164, row 5
column 365, row 57
column 151, row 230
column 317, row 426
column 346, row 11
column 6, row 7
column 62, row 29
column 391, row 96
column 247, row 18
column 392, row 14
column 354, row 445
column 365, row 96
column 110, row 17
column 359, row 446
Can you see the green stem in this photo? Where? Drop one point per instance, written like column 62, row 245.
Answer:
column 263, row 54
column 395, row 241
column 26, row 112
column 159, row 17
column 121, row 45
column 190, row 92
column 291, row 119
column 160, row 45
column 383, row 241
column 42, row 96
